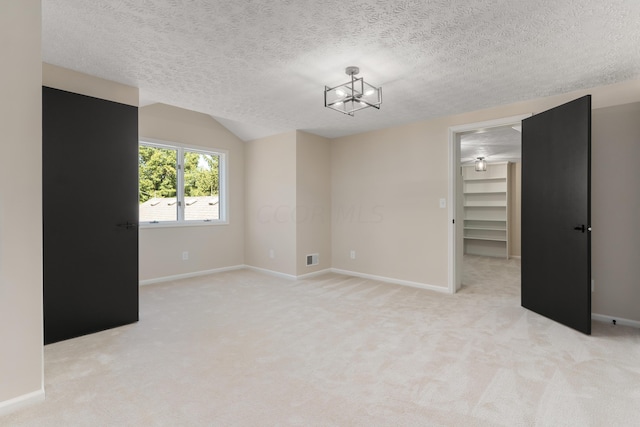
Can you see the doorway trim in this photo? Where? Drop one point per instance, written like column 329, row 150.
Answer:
column 454, row 279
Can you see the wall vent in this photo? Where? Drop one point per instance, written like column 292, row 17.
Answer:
column 313, row 259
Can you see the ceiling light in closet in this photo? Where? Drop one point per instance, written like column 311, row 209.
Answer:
column 481, row 164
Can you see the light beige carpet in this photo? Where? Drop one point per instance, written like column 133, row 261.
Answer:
column 242, row 348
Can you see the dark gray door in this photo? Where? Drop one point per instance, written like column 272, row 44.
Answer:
column 556, row 214
column 90, row 211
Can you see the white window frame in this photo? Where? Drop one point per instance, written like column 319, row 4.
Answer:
column 222, row 184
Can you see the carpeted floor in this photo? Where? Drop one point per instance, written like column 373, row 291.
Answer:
column 242, row 348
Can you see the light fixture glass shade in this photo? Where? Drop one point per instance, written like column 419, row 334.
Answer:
column 481, row 164
column 353, row 95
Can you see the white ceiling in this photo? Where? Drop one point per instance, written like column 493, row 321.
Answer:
column 260, row 66
column 500, row 144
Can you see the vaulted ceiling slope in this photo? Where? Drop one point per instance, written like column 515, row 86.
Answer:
column 260, row 66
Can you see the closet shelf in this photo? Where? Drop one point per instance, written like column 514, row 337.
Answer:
column 487, row 205
column 493, row 239
column 485, row 179
column 486, row 210
column 485, row 192
column 486, row 228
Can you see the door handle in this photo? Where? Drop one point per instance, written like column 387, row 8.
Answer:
column 128, row 225
column 580, row 227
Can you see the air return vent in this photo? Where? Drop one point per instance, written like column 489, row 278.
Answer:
column 313, row 259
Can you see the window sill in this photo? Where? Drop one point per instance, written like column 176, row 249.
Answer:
column 175, row 224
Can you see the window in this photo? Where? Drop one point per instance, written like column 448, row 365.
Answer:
column 180, row 185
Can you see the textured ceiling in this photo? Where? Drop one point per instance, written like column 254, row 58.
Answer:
column 260, row 66
column 501, row 144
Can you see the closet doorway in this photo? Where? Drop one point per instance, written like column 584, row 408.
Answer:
column 484, row 189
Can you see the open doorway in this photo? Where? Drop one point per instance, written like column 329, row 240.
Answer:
column 484, row 229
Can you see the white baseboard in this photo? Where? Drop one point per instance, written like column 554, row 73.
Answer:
column 302, row 276
column 314, row 274
column 19, row 402
column 288, row 276
column 391, row 280
column 188, row 275
column 271, row 272
column 619, row 320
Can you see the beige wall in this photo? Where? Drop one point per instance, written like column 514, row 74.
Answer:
column 288, row 200
column 615, row 180
column 210, row 247
column 386, row 185
column 270, row 201
column 515, row 214
column 21, row 331
column 313, row 201
column 73, row 81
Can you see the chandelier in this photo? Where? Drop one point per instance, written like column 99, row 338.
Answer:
column 353, row 95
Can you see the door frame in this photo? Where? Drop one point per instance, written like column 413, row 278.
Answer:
column 455, row 259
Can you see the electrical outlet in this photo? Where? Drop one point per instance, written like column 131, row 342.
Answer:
column 352, row 254
column 443, row 203
column 272, row 253
column 185, row 255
